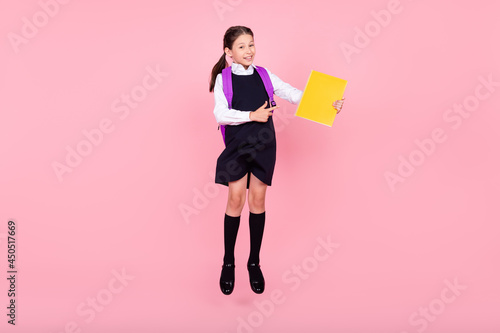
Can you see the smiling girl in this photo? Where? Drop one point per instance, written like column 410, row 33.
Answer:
column 248, row 160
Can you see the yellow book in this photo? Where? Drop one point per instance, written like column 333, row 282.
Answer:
column 320, row 92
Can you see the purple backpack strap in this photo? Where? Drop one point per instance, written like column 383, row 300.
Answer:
column 227, row 85
column 264, row 75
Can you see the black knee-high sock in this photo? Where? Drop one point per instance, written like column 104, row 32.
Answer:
column 256, row 222
column 231, row 225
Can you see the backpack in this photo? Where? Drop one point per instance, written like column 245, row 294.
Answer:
column 227, row 85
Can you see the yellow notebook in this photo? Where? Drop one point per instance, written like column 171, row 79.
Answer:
column 320, row 92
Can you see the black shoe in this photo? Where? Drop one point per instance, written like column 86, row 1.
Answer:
column 227, row 279
column 256, row 278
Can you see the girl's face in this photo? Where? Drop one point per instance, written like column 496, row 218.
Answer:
column 243, row 50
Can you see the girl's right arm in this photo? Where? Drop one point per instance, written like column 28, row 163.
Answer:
column 224, row 115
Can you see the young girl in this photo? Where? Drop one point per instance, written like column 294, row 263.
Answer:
column 248, row 160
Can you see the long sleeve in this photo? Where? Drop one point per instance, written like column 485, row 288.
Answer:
column 224, row 115
column 285, row 90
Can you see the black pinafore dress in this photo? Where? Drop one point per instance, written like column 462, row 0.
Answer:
column 251, row 146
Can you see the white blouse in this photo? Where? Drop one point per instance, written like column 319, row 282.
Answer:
column 226, row 116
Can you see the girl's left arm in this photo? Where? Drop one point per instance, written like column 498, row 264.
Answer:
column 285, row 90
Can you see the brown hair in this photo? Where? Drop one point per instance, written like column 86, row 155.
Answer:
column 229, row 37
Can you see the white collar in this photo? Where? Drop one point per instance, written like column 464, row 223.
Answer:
column 239, row 69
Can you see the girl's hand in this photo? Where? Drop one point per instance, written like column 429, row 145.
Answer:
column 261, row 114
column 338, row 104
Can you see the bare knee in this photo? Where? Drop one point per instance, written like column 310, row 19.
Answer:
column 256, row 203
column 236, row 201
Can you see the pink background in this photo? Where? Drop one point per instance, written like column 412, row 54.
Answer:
column 398, row 247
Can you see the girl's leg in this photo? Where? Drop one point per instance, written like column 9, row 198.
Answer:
column 235, row 202
column 236, row 196
column 256, row 195
column 256, row 205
